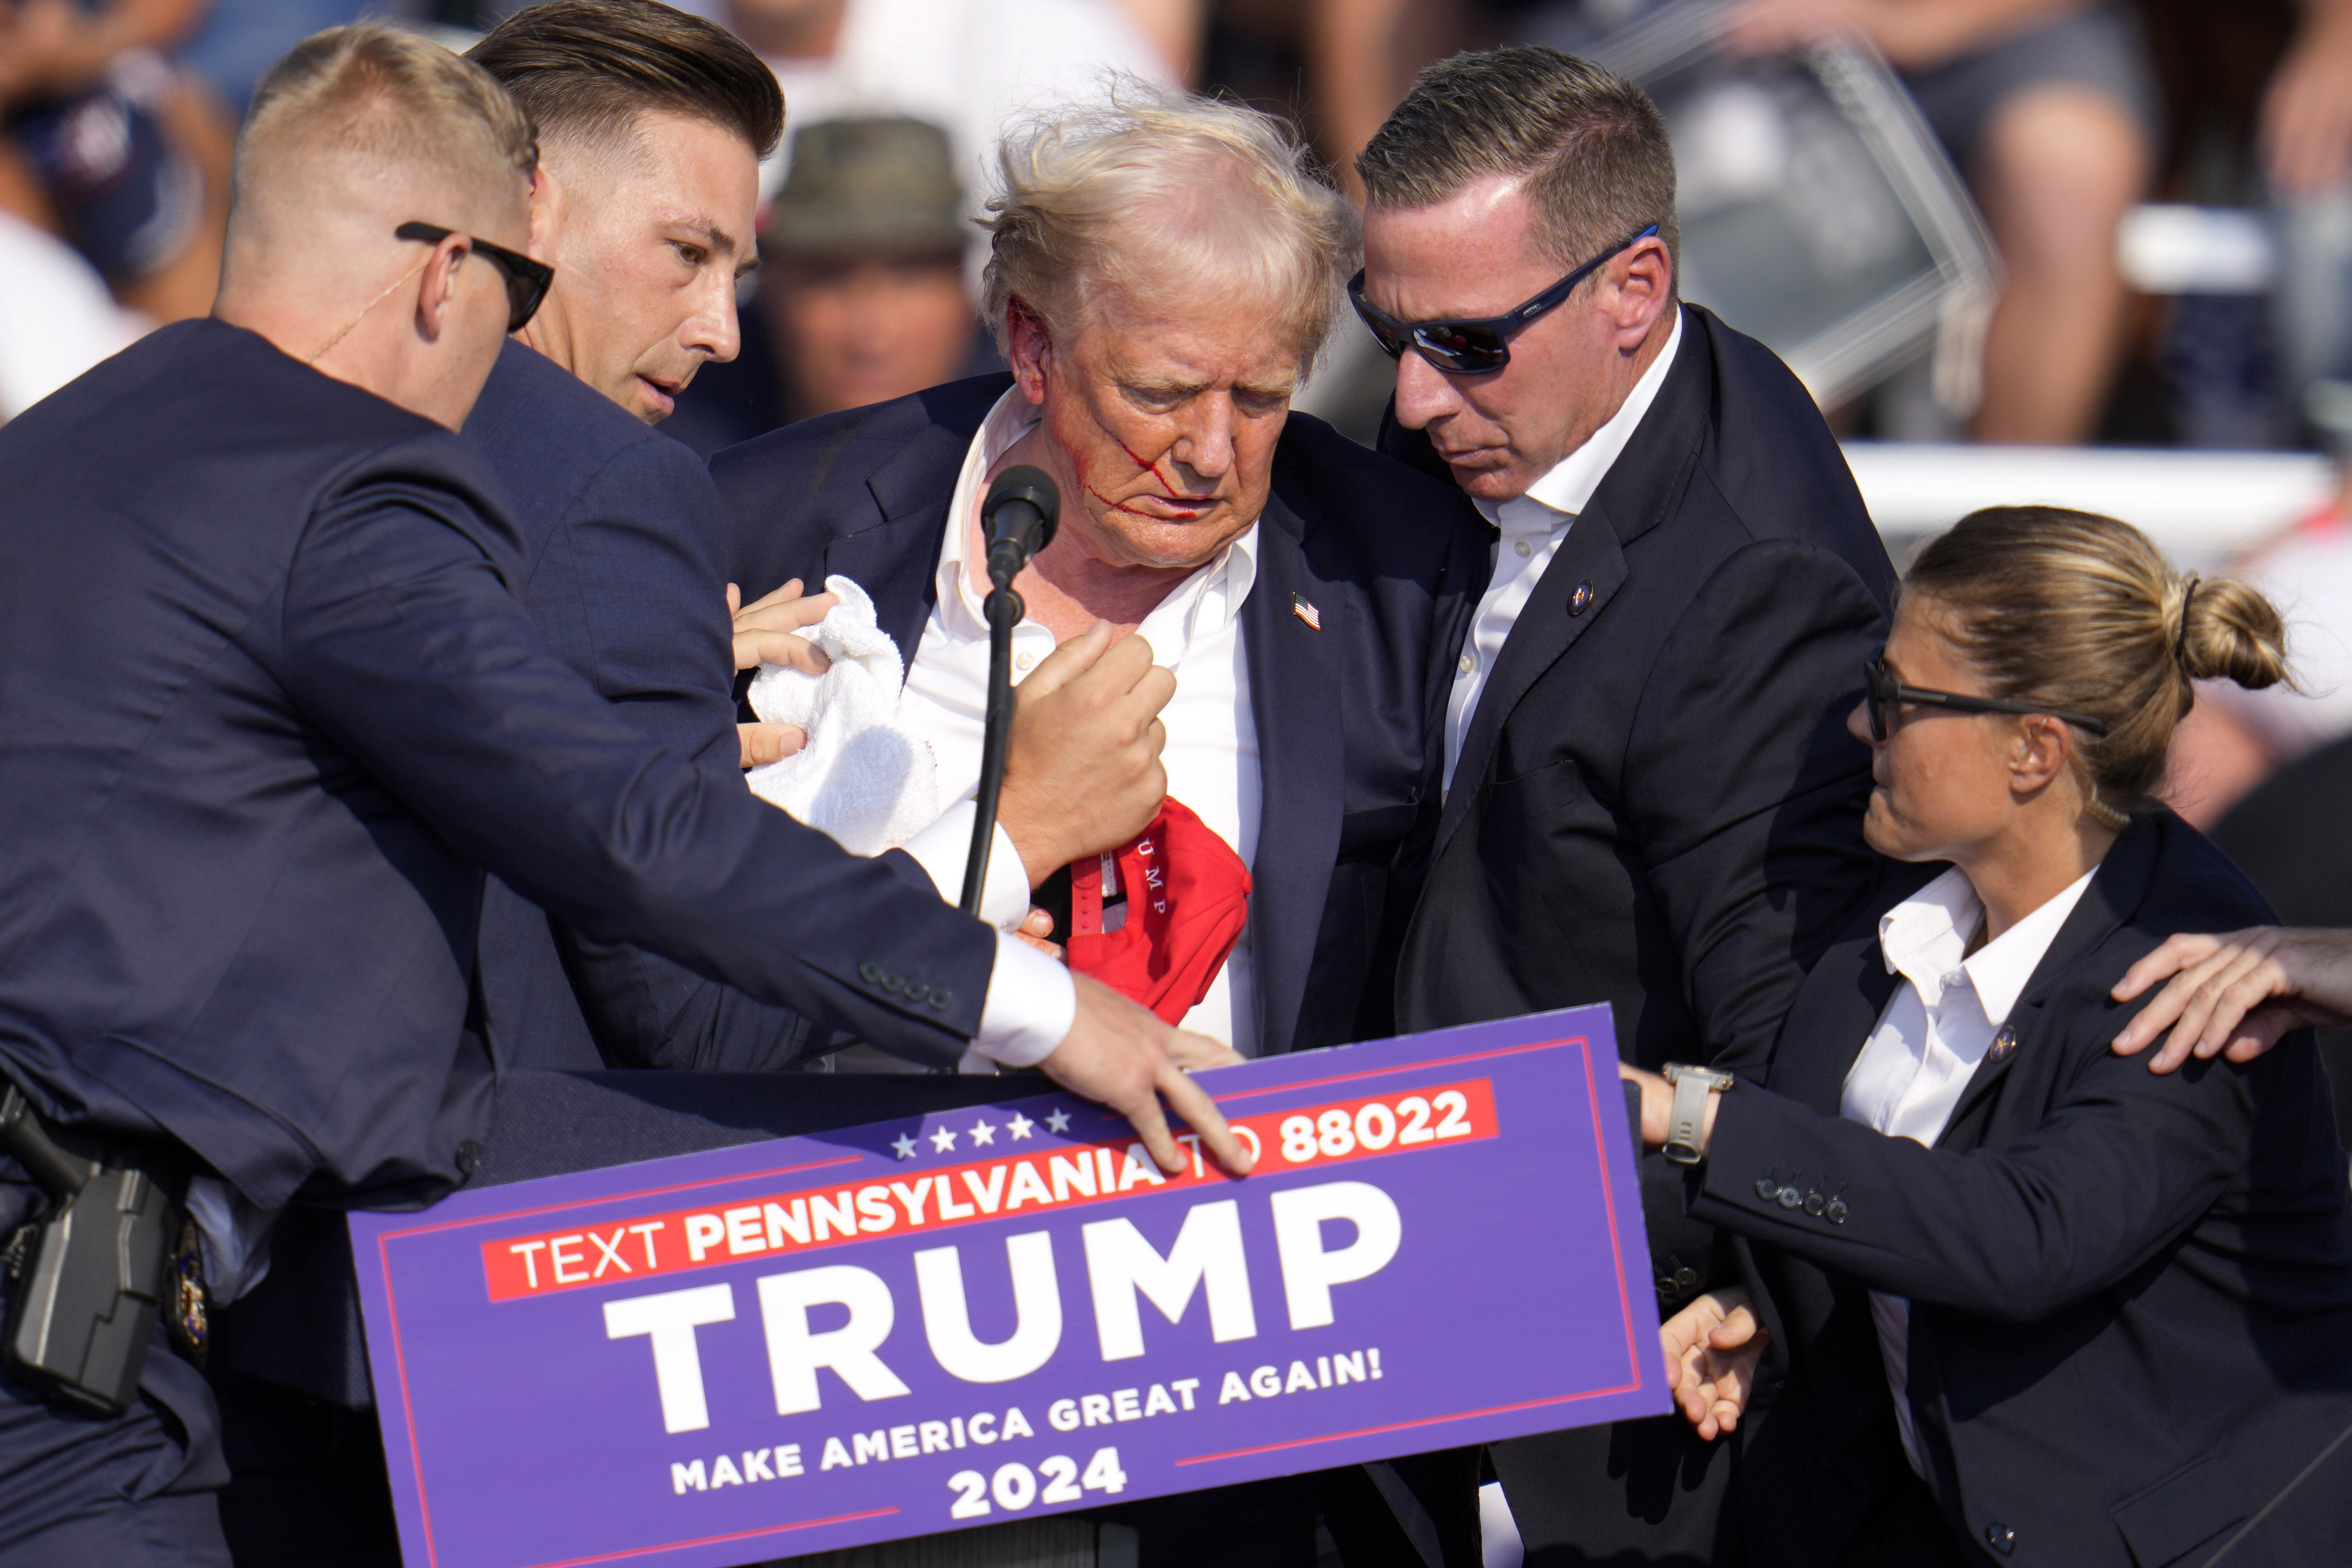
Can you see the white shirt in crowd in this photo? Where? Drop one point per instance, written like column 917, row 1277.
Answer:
column 1936, row 1028
column 1530, row 530
column 57, row 320
column 1212, row 755
column 967, row 66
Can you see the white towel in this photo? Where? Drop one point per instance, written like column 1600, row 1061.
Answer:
column 861, row 778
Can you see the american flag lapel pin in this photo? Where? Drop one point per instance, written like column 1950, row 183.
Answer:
column 1306, row 612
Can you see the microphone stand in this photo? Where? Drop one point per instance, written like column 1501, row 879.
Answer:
column 1003, row 609
column 1019, row 516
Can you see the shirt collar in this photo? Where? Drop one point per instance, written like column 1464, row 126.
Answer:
column 1566, row 488
column 1208, row 600
column 1926, row 937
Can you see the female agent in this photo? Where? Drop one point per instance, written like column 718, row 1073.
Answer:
column 2038, row 1304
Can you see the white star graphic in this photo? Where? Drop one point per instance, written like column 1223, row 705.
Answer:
column 1021, row 1126
column 1057, row 1121
column 983, row 1132
column 943, row 1140
column 905, row 1145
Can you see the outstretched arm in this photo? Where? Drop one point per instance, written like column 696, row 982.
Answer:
column 2236, row 996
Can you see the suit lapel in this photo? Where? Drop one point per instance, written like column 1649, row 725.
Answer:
column 1296, row 676
column 1841, row 1003
column 895, row 559
column 1547, row 627
column 2110, row 899
column 1633, row 498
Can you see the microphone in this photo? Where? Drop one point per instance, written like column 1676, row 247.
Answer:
column 1018, row 519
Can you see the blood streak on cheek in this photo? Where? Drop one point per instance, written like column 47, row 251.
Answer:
column 1085, row 482
column 1149, row 467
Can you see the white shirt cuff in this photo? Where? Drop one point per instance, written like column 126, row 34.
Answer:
column 942, row 848
column 1031, row 1003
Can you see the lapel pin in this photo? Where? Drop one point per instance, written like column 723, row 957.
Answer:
column 2004, row 1043
column 1306, row 612
column 1580, row 600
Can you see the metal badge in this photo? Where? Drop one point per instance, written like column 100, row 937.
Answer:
column 2004, row 1043
column 191, row 1330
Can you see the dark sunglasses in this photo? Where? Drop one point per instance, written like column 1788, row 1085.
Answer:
column 1888, row 694
column 526, row 281
column 1473, row 348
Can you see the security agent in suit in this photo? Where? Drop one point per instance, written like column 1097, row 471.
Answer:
column 2118, row 1301
column 1156, row 390
column 1650, row 800
column 274, row 708
column 652, row 123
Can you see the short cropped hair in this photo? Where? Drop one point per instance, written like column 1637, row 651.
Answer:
column 586, row 69
column 1153, row 184
column 390, row 99
column 1595, row 149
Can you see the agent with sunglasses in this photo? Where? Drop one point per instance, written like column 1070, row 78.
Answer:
column 1650, row 800
column 272, row 709
column 2039, row 1302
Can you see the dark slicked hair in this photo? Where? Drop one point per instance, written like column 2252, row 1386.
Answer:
column 585, row 69
column 1592, row 145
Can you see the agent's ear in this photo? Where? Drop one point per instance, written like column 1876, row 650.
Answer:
column 2043, row 750
column 1643, row 290
column 550, row 200
column 437, row 290
column 1032, row 349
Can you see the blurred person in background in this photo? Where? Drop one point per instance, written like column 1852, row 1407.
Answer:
column 129, row 155
column 2050, row 109
column 861, row 295
column 56, row 318
column 967, row 65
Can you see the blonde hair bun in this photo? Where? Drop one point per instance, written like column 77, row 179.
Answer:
column 2228, row 631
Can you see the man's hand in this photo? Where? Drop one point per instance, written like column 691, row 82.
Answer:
column 1119, row 1054
column 1037, row 931
column 768, row 633
column 2236, row 996
column 1711, row 1347
column 1082, row 770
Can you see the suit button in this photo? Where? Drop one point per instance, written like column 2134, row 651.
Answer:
column 918, row 992
column 1815, row 1204
column 942, row 998
column 1581, row 600
column 1837, row 1211
column 469, row 1157
column 1767, row 1188
column 1790, row 1197
column 870, row 972
column 1686, row 1278
column 2000, row 1538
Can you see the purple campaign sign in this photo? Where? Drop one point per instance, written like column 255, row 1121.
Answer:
column 821, row 1341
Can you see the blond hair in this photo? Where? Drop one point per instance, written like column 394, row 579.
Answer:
column 2073, row 611
column 388, row 101
column 1155, row 189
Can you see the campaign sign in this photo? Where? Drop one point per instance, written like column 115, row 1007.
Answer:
column 820, row 1341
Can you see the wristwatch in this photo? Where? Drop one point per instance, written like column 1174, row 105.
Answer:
column 1692, row 1086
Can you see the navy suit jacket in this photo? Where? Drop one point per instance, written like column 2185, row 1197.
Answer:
column 271, row 708
column 2131, row 1294
column 1349, row 717
column 1657, row 804
column 622, row 542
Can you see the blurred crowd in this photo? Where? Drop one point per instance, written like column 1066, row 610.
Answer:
column 2058, row 118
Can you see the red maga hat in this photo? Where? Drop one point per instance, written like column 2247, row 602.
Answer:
column 1185, row 900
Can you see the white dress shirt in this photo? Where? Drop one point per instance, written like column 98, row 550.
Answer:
column 1531, row 527
column 1936, row 1028
column 1212, row 755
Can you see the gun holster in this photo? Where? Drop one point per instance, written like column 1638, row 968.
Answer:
column 89, row 1275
